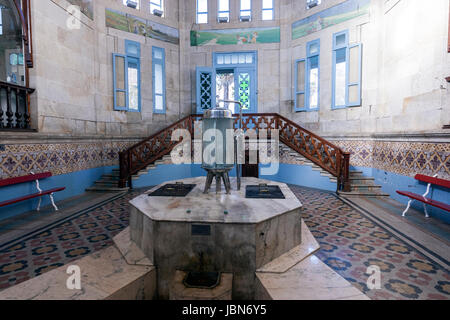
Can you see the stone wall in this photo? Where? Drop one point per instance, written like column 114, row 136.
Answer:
column 405, row 62
column 73, row 73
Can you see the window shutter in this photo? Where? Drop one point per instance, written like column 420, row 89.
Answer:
column 299, row 83
column 354, row 75
column 120, row 82
column 206, row 88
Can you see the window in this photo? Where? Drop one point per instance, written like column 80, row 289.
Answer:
column 312, row 75
column 267, row 9
column 346, row 78
column 159, row 80
column 307, row 79
column 131, row 3
column 1, row 21
column 127, row 78
column 202, row 11
column 246, row 10
column 157, row 5
column 312, row 3
column 224, row 9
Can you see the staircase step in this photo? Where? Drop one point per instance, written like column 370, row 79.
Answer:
column 106, row 189
column 365, row 187
column 105, row 184
column 369, row 194
column 361, row 180
column 111, row 176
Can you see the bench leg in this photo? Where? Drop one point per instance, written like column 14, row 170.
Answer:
column 407, row 208
column 53, row 202
column 426, row 211
column 39, row 204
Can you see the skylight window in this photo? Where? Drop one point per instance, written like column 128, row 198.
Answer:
column 267, row 9
column 202, row 11
column 131, row 4
column 157, row 5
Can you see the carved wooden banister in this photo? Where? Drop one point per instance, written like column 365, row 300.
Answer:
column 313, row 147
column 146, row 152
column 14, row 108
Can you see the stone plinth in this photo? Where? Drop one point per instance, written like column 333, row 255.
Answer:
column 220, row 232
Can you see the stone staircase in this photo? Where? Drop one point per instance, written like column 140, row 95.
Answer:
column 110, row 182
column 300, row 160
column 360, row 185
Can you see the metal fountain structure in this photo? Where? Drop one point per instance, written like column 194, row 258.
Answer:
column 221, row 119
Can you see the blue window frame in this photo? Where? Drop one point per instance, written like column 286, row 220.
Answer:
column 158, row 5
column 159, row 79
column 313, row 75
column 299, row 85
column 127, row 78
column 223, row 10
column 1, row 21
column 243, row 66
column 346, row 77
column 202, row 11
column 267, row 9
column 206, row 88
column 307, row 79
column 245, row 8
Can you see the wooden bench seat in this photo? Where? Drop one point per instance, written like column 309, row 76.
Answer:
column 423, row 198
column 39, row 194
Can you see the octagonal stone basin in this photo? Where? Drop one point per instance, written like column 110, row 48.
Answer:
column 215, row 232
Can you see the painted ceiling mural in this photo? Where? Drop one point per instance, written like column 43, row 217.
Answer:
column 329, row 17
column 129, row 23
column 235, row 36
column 86, row 6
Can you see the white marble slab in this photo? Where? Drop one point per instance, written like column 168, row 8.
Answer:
column 104, row 275
column 310, row 279
column 209, row 208
column 282, row 264
column 129, row 250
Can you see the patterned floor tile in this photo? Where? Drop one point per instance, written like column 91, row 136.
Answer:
column 350, row 243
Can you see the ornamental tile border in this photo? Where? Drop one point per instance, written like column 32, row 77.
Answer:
column 404, row 158
column 62, row 158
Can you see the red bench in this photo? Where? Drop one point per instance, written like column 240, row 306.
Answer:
column 29, row 178
column 423, row 198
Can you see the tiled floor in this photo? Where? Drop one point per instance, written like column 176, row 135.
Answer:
column 350, row 242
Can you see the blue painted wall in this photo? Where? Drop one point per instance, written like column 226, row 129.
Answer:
column 288, row 173
column 75, row 183
column 391, row 182
column 302, row 176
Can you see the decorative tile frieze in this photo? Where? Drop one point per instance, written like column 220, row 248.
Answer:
column 404, row 158
column 60, row 158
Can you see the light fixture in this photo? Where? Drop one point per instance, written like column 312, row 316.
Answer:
column 158, row 13
column 132, row 4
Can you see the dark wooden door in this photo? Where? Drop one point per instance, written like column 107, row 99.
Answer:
column 250, row 170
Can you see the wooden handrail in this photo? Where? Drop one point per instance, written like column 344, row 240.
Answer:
column 16, row 111
column 16, row 86
column 313, row 147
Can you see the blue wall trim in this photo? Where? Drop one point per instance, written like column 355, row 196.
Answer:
column 75, row 183
column 288, row 173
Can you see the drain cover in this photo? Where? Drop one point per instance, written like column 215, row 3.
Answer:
column 173, row 190
column 202, row 280
column 263, row 191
